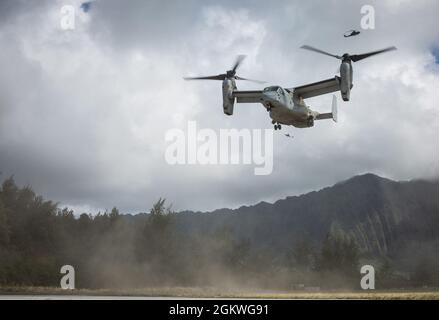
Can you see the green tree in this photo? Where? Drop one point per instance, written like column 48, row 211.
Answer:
column 339, row 253
column 156, row 244
column 4, row 227
column 303, row 254
column 114, row 214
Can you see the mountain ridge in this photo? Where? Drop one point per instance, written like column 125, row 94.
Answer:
column 382, row 215
column 260, row 203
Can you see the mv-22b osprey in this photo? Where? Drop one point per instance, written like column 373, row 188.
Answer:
column 286, row 105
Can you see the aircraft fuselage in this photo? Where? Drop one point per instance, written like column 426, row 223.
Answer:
column 284, row 110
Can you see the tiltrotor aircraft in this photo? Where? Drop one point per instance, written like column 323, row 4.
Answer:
column 286, row 105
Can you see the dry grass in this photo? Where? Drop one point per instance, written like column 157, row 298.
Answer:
column 185, row 292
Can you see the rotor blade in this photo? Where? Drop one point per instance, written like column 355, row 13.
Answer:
column 238, row 61
column 358, row 57
column 218, row 77
column 252, row 80
column 319, row 51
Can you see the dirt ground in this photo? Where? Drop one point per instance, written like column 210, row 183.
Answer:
column 182, row 292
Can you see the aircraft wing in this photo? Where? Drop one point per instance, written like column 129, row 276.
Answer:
column 253, row 96
column 316, row 88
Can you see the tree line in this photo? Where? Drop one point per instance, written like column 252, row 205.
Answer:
column 111, row 249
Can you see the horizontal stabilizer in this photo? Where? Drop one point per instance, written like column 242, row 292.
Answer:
column 324, row 116
column 331, row 115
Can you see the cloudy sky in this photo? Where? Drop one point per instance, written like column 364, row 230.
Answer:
column 84, row 112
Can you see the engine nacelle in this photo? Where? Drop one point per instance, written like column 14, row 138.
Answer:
column 228, row 100
column 345, row 80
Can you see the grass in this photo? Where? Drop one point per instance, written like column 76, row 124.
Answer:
column 189, row 292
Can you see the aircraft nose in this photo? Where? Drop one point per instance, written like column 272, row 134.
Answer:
column 270, row 96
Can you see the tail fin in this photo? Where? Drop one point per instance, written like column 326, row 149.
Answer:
column 332, row 115
column 334, row 108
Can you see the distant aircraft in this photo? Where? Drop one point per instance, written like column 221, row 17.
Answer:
column 86, row 6
column 351, row 33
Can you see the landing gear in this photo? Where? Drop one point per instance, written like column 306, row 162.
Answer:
column 277, row 126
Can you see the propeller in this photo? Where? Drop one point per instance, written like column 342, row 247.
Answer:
column 347, row 56
column 231, row 74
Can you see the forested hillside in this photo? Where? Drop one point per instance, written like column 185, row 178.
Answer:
column 318, row 239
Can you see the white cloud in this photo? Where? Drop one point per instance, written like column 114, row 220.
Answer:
column 83, row 113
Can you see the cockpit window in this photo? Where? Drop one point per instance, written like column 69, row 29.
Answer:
column 274, row 88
